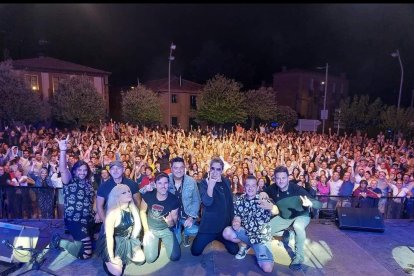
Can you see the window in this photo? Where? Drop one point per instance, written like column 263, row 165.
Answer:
column 174, row 121
column 32, row 82
column 174, row 98
column 193, row 102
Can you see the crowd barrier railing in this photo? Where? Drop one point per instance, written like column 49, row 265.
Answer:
column 31, row 202
column 47, row 203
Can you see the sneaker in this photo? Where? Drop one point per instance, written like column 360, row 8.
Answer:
column 55, row 240
column 186, row 241
column 295, row 267
column 242, row 252
column 296, row 264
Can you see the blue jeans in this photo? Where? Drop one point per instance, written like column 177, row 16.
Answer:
column 172, row 247
column 279, row 224
column 262, row 250
column 188, row 231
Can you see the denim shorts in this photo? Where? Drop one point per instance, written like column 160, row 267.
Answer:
column 262, row 250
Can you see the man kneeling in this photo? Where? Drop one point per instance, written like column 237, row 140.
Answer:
column 250, row 226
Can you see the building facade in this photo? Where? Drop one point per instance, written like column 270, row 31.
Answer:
column 304, row 91
column 42, row 75
column 178, row 107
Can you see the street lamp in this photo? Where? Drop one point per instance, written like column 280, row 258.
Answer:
column 324, row 113
column 170, row 58
column 397, row 54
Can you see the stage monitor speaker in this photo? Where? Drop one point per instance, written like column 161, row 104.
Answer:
column 364, row 219
column 13, row 237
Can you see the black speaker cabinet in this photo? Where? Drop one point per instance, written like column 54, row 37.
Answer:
column 12, row 235
column 363, row 219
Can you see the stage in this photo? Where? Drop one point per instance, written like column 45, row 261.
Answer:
column 329, row 251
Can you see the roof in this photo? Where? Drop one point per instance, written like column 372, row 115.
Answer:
column 53, row 64
column 162, row 84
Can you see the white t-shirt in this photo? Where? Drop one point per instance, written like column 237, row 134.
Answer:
column 334, row 186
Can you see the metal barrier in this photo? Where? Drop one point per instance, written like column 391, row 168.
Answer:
column 31, row 202
column 47, row 203
column 389, row 207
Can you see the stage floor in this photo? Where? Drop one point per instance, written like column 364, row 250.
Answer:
column 329, row 251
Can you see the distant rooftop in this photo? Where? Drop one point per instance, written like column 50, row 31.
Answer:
column 162, row 84
column 53, row 64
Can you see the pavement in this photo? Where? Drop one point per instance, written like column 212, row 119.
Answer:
column 329, row 251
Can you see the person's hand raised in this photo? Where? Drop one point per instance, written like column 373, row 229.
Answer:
column 63, row 144
column 305, row 201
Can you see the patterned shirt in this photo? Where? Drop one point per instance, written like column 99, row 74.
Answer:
column 79, row 195
column 253, row 218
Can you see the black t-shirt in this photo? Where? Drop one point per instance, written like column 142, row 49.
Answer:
column 179, row 194
column 3, row 179
column 97, row 176
column 157, row 210
column 79, row 196
column 106, row 187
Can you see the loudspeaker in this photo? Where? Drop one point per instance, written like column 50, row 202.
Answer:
column 365, row 219
column 17, row 236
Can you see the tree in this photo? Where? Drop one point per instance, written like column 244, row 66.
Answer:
column 261, row 104
column 397, row 120
column 222, row 102
column 360, row 114
column 141, row 106
column 19, row 103
column 287, row 116
column 77, row 102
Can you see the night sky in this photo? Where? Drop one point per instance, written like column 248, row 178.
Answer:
column 245, row 42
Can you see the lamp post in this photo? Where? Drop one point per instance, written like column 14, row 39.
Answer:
column 324, row 114
column 397, row 55
column 170, row 58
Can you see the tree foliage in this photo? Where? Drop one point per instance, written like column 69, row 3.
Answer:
column 19, row 103
column 222, row 102
column 397, row 120
column 141, row 106
column 77, row 102
column 287, row 116
column 261, row 104
column 360, row 114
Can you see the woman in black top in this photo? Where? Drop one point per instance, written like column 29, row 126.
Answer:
column 119, row 245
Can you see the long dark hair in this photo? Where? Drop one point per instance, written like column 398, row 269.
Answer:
column 78, row 164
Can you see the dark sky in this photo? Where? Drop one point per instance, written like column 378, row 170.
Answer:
column 245, row 42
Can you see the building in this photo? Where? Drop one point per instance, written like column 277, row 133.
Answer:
column 42, row 75
column 183, row 101
column 304, row 91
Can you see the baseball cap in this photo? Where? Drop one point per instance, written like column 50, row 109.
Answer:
column 116, row 163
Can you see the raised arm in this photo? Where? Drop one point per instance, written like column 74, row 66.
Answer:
column 63, row 168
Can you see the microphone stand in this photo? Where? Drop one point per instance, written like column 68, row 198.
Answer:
column 34, row 260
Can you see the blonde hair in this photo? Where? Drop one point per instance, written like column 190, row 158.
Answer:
column 113, row 203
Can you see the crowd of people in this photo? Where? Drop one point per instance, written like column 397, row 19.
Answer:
column 174, row 183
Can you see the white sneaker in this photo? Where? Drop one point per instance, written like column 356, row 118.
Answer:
column 242, row 252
